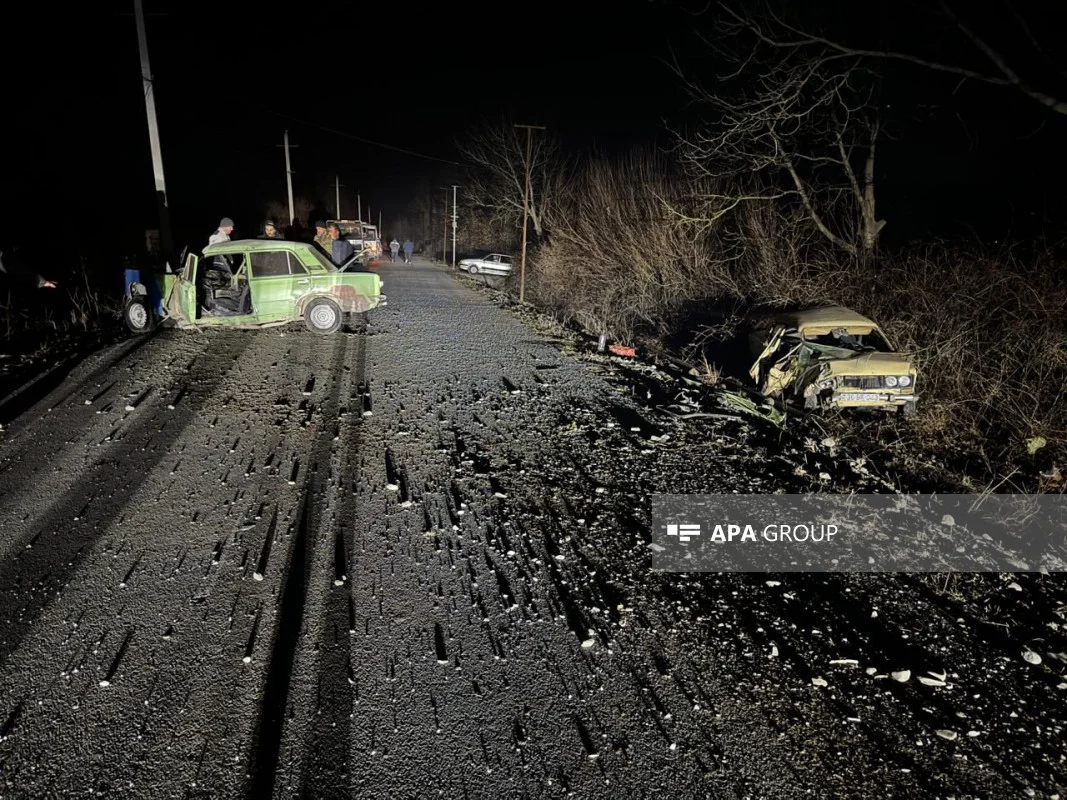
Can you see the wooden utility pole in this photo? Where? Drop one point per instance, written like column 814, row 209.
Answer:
column 288, row 174
column 166, row 244
column 526, row 205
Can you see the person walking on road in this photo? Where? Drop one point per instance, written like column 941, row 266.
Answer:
column 394, row 248
column 409, row 248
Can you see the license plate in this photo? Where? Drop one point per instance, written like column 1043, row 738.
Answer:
column 859, row 396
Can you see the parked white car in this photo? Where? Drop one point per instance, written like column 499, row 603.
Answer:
column 493, row 264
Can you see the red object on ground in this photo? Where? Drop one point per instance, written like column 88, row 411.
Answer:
column 619, row 350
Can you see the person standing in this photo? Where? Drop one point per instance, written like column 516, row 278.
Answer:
column 341, row 250
column 270, row 231
column 222, row 233
column 394, row 248
column 322, row 237
column 409, row 248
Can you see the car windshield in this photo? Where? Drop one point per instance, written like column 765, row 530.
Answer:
column 842, row 337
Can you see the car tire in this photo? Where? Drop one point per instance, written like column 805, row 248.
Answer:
column 323, row 316
column 473, row 270
column 138, row 316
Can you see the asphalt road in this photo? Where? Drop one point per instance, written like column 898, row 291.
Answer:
column 412, row 562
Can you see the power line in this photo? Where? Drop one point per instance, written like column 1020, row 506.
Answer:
column 348, row 135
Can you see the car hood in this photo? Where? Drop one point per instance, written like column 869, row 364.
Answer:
column 870, row 364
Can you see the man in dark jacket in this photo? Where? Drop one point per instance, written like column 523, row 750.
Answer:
column 341, row 250
column 270, row 231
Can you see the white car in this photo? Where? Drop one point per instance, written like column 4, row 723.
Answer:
column 493, row 264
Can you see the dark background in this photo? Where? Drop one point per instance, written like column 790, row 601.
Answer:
column 963, row 160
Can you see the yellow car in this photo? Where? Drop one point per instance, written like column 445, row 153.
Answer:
column 832, row 356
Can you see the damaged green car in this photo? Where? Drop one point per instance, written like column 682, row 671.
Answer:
column 832, row 357
column 256, row 283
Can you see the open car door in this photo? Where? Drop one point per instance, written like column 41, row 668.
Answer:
column 180, row 301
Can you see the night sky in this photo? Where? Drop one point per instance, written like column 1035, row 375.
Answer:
column 355, row 84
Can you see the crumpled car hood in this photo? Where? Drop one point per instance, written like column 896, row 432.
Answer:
column 871, row 363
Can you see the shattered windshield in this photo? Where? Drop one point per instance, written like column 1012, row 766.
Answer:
column 845, row 339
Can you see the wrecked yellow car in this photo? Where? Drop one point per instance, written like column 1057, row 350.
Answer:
column 831, row 356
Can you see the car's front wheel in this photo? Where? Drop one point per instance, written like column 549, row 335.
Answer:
column 323, row 316
column 473, row 270
column 139, row 317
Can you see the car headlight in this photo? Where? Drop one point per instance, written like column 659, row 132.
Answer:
column 904, row 380
column 890, row 381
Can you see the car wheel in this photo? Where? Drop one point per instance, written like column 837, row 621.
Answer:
column 473, row 270
column 139, row 317
column 323, row 316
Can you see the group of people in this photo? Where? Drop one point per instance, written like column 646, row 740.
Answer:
column 327, row 237
column 394, row 250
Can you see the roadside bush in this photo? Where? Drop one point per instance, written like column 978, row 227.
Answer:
column 617, row 260
column 990, row 336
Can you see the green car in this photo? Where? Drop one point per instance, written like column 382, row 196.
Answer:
column 255, row 283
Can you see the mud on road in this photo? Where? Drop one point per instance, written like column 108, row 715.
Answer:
column 412, row 561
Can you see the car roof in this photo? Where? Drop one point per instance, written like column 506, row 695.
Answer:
column 826, row 317
column 255, row 246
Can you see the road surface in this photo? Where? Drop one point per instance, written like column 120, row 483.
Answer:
column 412, row 561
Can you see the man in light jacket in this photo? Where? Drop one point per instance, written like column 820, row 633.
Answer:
column 222, row 233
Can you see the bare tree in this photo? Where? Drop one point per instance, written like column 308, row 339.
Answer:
column 789, row 122
column 497, row 183
column 1001, row 70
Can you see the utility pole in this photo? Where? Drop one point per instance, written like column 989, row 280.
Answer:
column 359, row 207
column 444, row 236
column 337, row 192
column 526, row 205
column 454, row 186
column 166, row 244
column 288, row 174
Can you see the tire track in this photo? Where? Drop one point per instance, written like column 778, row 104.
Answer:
column 49, row 556
column 271, row 726
column 326, row 767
